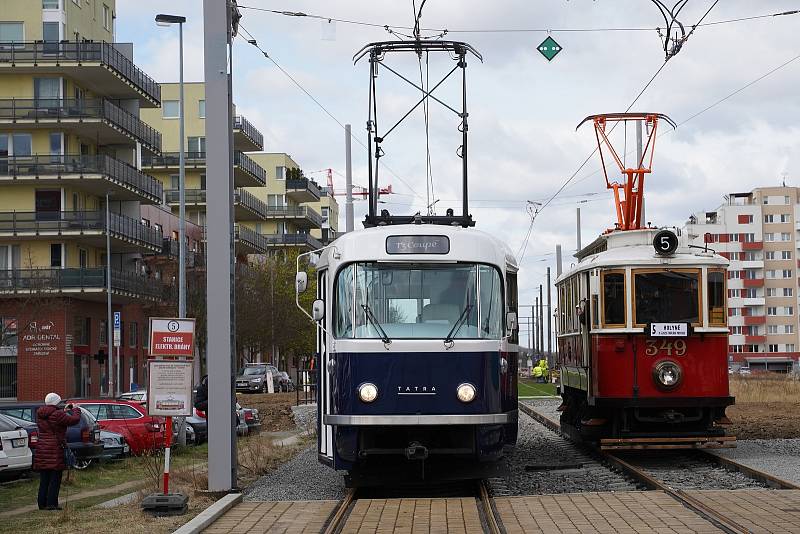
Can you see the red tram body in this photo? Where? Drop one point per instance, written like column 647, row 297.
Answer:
column 643, row 344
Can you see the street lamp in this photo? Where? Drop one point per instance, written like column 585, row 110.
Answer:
column 168, row 20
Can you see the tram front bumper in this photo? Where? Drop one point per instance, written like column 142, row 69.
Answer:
column 421, row 420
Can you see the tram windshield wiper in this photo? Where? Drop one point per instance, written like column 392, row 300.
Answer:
column 461, row 320
column 371, row 318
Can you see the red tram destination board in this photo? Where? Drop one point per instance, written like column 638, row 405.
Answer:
column 171, row 337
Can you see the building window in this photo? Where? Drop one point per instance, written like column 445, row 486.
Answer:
column 280, row 173
column 55, row 255
column 735, row 312
column 201, row 109
column 103, row 337
column 787, row 200
column 175, row 182
column 785, row 236
column 788, row 292
column 51, row 33
column 789, row 310
column 170, row 109
column 772, row 348
column 771, row 291
column 770, row 273
column 769, row 237
column 788, row 329
column 83, row 258
column 736, row 349
column 787, row 273
column 772, row 329
column 50, row 4
column 786, row 254
column 785, row 218
column 769, row 218
column 746, row 219
column 197, row 146
column 146, row 334
column 12, row 32
column 737, row 330
column 772, row 310
column 133, row 335
column 749, row 238
column 790, row 347
column 106, row 17
column 770, row 255
column 203, row 182
column 276, row 201
column 752, row 348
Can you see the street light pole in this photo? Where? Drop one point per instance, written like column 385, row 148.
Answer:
column 109, row 320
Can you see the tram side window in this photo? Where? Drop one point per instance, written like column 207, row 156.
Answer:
column 614, row 298
column 716, row 297
column 344, row 299
column 667, row 296
column 511, row 298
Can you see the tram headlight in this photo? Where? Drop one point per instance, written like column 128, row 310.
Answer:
column 465, row 392
column 367, row 392
column 667, row 374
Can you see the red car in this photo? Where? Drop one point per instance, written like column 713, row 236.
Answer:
column 143, row 432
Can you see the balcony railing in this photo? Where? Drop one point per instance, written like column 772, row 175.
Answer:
column 250, row 237
column 172, row 159
column 193, row 196
column 115, row 169
column 250, row 201
column 59, row 109
column 132, row 283
column 303, row 184
column 249, row 166
column 81, row 52
column 250, row 131
column 294, row 240
column 295, row 212
column 47, row 222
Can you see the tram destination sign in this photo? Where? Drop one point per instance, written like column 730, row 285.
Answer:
column 669, row 329
column 417, row 244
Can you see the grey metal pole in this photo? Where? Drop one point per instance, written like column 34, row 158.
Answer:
column 182, row 192
column 535, row 326
column 559, row 266
column 348, row 205
column 578, row 228
column 109, row 318
column 549, row 317
column 220, row 282
column 541, row 320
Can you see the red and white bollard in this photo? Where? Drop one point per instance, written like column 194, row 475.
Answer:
column 168, row 442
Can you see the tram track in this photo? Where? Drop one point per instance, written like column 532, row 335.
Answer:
column 656, row 472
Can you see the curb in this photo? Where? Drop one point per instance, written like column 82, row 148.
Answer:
column 210, row 514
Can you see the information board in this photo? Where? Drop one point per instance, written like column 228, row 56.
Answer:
column 169, row 387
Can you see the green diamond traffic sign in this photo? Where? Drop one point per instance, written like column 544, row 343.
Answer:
column 549, row 48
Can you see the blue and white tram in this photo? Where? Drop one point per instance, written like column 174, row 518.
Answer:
column 417, row 341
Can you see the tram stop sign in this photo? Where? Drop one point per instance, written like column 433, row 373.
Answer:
column 549, row 48
column 171, row 337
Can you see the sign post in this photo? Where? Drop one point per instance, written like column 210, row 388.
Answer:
column 113, row 372
column 169, row 394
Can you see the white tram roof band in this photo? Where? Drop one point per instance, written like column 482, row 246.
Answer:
column 634, row 248
column 466, row 245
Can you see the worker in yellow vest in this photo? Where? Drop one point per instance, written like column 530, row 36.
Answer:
column 545, row 370
column 537, row 373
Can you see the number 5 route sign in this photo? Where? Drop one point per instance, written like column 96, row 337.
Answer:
column 171, row 337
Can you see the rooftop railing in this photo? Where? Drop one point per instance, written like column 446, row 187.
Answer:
column 58, row 165
column 39, row 52
column 43, row 109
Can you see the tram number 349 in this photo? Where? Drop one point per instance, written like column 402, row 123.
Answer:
column 677, row 347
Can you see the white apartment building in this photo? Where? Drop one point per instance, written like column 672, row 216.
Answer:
column 759, row 232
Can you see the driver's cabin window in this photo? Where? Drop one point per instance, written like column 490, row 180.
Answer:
column 614, row 304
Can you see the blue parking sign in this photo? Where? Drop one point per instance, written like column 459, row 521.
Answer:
column 117, row 319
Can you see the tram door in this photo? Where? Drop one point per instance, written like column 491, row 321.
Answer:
column 325, row 432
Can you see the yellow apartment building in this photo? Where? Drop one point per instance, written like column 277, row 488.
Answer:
column 71, row 142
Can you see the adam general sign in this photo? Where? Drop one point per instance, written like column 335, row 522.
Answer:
column 171, row 337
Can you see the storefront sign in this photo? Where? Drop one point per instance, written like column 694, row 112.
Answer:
column 169, row 387
column 42, row 339
column 171, row 337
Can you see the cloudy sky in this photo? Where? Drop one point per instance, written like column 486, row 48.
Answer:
column 523, row 109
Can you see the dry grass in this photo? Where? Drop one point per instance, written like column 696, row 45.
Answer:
column 258, row 455
column 760, row 388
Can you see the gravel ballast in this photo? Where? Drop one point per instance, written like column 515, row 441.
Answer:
column 302, row 478
column 778, row 457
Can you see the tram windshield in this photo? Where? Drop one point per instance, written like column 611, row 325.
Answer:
column 412, row 301
column 667, row 296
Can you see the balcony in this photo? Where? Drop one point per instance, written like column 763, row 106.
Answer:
column 88, row 283
column 754, row 340
column 294, row 240
column 93, row 174
column 755, row 320
column 248, row 241
column 753, row 282
column 246, row 137
column 194, row 197
column 246, row 206
column 99, row 67
column 89, row 227
column 302, row 190
column 302, row 216
column 754, row 245
column 96, row 119
column 246, row 172
column 753, row 301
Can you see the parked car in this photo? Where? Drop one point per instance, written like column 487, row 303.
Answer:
column 114, row 445
column 83, row 437
column 241, row 424
column 191, row 437
column 31, row 428
column 144, row 433
column 285, row 381
column 15, row 454
column 134, row 396
column 744, row 371
column 253, row 420
column 253, row 378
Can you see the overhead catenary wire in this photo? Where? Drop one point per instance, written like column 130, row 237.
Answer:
column 252, row 41
column 387, row 27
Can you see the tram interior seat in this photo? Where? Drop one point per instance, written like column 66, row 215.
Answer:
column 440, row 313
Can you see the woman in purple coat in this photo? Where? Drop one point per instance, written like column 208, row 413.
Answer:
column 49, row 457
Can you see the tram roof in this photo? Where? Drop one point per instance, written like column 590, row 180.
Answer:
column 634, row 248
column 465, row 245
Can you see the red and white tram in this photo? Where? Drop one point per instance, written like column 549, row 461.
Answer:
column 642, row 333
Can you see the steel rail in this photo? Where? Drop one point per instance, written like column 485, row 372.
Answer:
column 492, row 521
column 336, row 522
